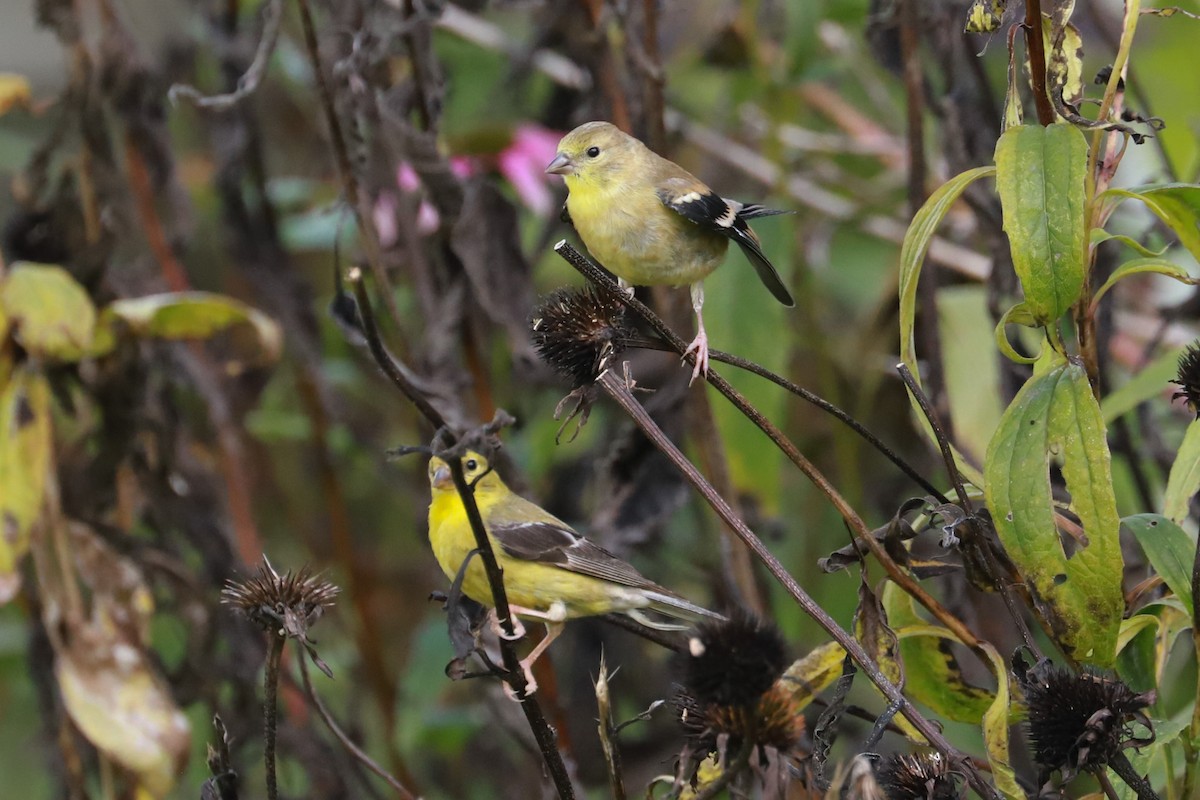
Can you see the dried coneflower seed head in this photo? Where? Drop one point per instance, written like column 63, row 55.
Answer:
column 579, row 332
column 1187, row 377
column 1079, row 722
column 288, row 603
column 733, row 662
column 773, row 721
column 919, row 776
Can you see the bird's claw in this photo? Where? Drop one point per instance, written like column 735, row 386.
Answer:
column 498, row 629
column 699, row 346
column 531, row 685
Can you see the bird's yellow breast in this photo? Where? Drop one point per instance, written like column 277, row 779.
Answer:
column 639, row 239
column 528, row 584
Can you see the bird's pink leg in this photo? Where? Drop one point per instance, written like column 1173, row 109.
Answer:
column 699, row 345
column 553, row 629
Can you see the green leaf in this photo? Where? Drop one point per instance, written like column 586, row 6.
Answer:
column 1170, row 549
column 912, row 257
column 1017, row 315
column 50, row 312
column 1040, row 177
column 972, row 367
column 190, row 315
column 25, row 444
column 1184, row 480
column 1152, row 381
column 1143, row 265
column 1099, row 236
column 1055, row 416
column 932, row 675
column 1176, row 204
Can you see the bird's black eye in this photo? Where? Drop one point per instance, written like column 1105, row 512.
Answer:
column 471, row 464
column 593, row 151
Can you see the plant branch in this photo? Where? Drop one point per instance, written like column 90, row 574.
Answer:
column 396, row 372
column 543, row 734
column 1036, row 46
column 248, row 83
column 620, row 392
column 856, row 524
column 350, row 186
column 341, row 736
column 270, row 709
column 939, row 433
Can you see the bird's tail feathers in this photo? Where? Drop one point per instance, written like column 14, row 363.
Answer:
column 754, row 210
column 671, row 606
column 762, row 265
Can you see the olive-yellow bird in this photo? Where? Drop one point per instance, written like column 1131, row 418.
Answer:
column 551, row 572
column 651, row 222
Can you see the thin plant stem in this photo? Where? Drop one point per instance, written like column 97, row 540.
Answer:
column 620, row 392
column 939, row 433
column 350, row 185
column 813, row 399
column 270, row 709
column 392, row 369
column 1119, row 764
column 353, row 749
column 1037, row 61
column 543, row 734
column 851, row 517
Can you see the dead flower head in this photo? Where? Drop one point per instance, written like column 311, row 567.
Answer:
column 918, row 776
column 1187, row 378
column 732, row 685
column 1080, row 721
column 580, row 333
column 286, row 605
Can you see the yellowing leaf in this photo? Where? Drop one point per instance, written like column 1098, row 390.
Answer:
column 1055, row 416
column 25, row 442
column 14, row 91
column 811, row 675
column 123, row 708
column 932, row 673
column 51, row 314
column 108, row 683
column 192, row 315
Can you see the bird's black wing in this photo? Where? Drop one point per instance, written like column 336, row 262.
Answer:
column 728, row 218
column 551, row 541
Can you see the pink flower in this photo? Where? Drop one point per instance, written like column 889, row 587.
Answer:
column 523, row 164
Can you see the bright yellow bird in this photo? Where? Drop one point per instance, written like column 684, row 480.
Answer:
column 651, row 222
column 551, row 572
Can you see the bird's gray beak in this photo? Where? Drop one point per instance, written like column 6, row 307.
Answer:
column 442, row 478
column 561, row 165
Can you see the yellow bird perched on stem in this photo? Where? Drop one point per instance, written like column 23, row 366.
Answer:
column 551, row 572
column 651, row 222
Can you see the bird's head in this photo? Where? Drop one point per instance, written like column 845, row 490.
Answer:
column 592, row 152
column 475, row 469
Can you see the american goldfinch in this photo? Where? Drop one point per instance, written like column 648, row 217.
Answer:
column 551, row 572
column 651, row 222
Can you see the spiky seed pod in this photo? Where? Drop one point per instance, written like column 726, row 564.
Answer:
column 773, row 721
column 917, row 776
column 287, row 604
column 1187, row 377
column 733, row 662
column 1079, row 722
column 580, row 333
